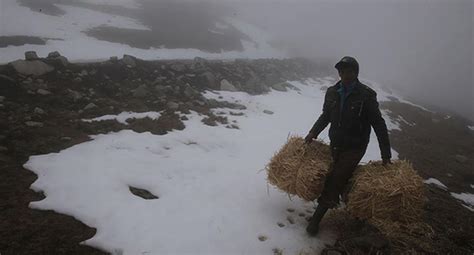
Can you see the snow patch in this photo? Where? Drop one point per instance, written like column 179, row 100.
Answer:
column 467, row 198
column 435, row 182
column 124, row 116
column 214, row 197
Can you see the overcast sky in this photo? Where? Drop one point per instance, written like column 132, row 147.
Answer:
column 423, row 48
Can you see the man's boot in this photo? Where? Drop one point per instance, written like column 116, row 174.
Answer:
column 313, row 226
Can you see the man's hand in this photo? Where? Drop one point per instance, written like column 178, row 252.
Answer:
column 309, row 138
column 386, row 161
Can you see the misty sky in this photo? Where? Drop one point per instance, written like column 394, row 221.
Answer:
column 424, row 49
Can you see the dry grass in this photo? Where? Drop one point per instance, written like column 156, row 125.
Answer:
column 393, row 192
column 300, row 169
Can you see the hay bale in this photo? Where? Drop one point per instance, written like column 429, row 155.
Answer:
column 300, row 169
column 390, row 193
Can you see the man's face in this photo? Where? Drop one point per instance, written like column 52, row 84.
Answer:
column 347, row 75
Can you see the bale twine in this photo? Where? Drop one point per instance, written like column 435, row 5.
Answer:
column 393, row 192
column 300, row 169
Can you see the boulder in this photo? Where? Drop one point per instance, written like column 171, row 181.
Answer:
column 129, row 60
column 280, row 86
column 227, row 86
column 209, row 79
column 54, row 54
column 178, row 67
column 39, row 111
column 90, row 106
column 43, row 92
column 172, row 106
column 6, row 80
column 34, row 67
column 113, row 59
column 141, row 91
column 31, row 55
column 33, row 124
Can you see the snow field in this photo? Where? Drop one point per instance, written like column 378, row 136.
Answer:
column 213, row 194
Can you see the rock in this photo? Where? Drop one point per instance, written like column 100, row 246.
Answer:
column 54, row 54
column 143, row 193
column 77, row 79
column 66, row 138
column 189, row 92
column 60, row 61
column 74, row 95
column 178, row 67
column 461, row 158
column 198, row 63
column 6, row 80
column 227, row 86
column 280, row 86
column 129, row 60
column 113, row 59
column 3, row 149
column 267, row 112
column 39, row 111
column 33, row 124
column 2, row 98
column 172, row 106
column 90, row 106
column 31, row 55
column 34, row 67
column 209, row 80
column 43, row 92
column 141, row 91
column 83, row 73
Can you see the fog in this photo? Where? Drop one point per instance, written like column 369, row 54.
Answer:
column 422, row 49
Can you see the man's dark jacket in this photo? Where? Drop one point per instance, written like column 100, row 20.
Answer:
column 350, row 126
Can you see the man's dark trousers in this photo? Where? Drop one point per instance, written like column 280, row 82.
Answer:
column 341, row 169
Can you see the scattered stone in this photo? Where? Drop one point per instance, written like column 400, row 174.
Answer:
column 90, row 106
column 268, row 112
column 262, row 238
column 129, row 60
column 31, row 55
column 83, row 73
column 227, row 86
column 141, row 91
column 280, row 224
column 277, row 251
column 145, row 194
column 461, row 158
column 280, row 86
column 77, row 80
column 43, row 92
column 74, row 95
column 39, row 111
column 54, row 54
column 172, row 106
column 6, row 80
column 34, row 67
column 178, row 67
column 33, row 124
column 209, row 79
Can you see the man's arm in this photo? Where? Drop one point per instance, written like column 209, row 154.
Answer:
column 322, row 121
column 378, row 123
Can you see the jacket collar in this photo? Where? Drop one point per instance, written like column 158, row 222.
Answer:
column 356, row 88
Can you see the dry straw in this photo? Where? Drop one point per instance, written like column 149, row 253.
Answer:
column 299, row 168
column 393, row 192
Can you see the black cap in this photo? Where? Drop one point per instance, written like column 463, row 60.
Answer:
column 348, row 62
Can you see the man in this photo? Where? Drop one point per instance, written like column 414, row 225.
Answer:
column 352, row 108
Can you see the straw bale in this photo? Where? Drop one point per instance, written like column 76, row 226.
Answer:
column 300, row 169
column 392, row 193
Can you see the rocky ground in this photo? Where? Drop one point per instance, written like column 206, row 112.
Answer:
column 42, row 103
